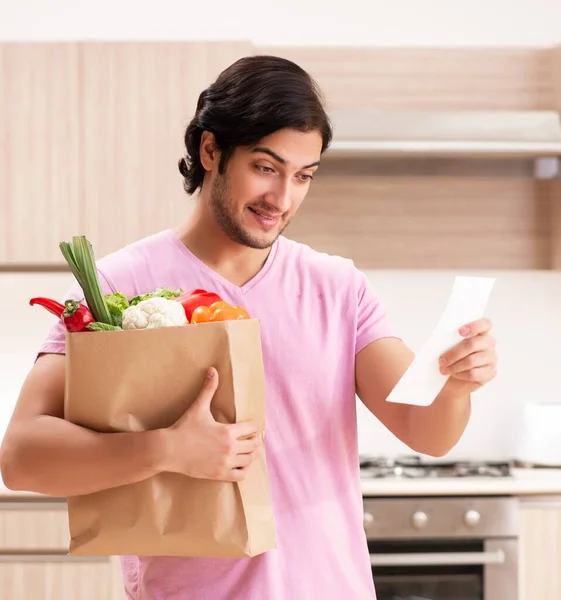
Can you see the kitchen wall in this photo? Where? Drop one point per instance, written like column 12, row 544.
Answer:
column 23, row 328
column 432, row 23
column 524, row 307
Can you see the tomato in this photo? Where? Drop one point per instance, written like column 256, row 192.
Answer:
column 242, row 313
column 220, row 304
column 197, row 298
column 201, row 314
column 229, row 313
column 203, row 307
column 224, row 313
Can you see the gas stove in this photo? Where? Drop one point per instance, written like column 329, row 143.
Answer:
column 441, row 547
column 415, row 467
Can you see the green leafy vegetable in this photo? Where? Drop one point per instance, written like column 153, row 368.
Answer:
column 117, row 303
column 80, row 258
column 161, row 292
column 96, row 326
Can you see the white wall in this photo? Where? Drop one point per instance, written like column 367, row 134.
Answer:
column 525, row 310
column 291, row 22
column 23, row 328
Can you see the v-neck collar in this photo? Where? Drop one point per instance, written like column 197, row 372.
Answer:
column 212, row 273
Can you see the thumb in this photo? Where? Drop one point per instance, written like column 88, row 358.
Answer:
column 203, row 400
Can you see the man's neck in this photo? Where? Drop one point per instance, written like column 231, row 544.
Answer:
column 236, row 263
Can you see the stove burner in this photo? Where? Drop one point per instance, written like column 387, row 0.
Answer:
column 414, row 467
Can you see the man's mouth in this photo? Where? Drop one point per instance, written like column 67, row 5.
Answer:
column 264, row 215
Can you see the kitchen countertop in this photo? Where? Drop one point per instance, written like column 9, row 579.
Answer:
column 524, row 482
column 7, row 495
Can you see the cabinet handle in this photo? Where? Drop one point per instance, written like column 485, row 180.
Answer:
column 60, row 558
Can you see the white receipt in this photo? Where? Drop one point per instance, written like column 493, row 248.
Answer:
column 423, row 381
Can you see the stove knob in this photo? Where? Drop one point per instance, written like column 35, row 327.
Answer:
column 472, row 518
column 367, row 519
column 419, row 519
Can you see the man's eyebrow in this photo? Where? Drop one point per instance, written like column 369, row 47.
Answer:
column 280, row 159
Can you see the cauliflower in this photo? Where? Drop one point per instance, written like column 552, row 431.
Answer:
column 154, row 312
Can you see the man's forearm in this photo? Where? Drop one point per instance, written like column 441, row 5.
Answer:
column 434, row 430
column 52, row 456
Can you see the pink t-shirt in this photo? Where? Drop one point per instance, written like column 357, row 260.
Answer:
column 316, row 312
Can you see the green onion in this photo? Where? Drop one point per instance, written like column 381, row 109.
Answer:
column 80, row 258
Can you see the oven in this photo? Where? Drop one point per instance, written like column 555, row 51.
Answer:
column 443, row 548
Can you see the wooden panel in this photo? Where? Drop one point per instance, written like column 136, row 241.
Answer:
column 40, row 201
column 540, row 553
column 34, row 527
column 428, row 78
column 556, row 76
column 117, row 584
column 55, row 578
column 138, row 99
column 496, row 220
column 554, row 186
column 552, row 189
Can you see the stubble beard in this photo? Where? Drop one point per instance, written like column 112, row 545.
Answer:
column 222, row 210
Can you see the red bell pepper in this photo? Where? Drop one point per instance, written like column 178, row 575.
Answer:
column 74, row 315
column 196, row 298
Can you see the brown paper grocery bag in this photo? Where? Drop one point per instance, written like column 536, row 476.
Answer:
column 145, row 379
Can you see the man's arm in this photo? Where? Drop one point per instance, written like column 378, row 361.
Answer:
column 41, row 452
column 433, row 430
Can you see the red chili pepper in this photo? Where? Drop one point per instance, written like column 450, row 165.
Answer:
column 196, row 298
column 73, row 314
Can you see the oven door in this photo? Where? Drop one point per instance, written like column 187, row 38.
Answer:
column 445, row 570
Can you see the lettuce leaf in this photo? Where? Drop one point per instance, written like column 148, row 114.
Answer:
column 161, row 292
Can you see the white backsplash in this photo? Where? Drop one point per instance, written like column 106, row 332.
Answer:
column 525, row 310
column 524, row 307
column 23, row 329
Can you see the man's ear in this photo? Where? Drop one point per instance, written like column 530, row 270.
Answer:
column 208, row 151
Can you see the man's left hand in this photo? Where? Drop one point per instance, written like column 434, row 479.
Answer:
column 473, row 361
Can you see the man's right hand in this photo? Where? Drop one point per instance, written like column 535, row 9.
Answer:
column 198, row 446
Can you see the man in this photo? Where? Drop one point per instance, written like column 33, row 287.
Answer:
column 253, row 147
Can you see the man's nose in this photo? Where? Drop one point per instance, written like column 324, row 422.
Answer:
column 283, row 196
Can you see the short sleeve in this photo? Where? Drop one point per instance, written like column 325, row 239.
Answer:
column 372, row 318
column 55, row 341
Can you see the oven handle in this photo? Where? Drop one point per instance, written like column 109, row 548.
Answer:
column 424, row 559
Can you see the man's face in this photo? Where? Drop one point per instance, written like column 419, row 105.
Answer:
column 264, row 185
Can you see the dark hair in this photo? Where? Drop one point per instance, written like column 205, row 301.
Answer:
column 252, row 98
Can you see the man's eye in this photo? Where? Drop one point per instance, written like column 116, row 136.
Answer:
column 264, row 169
column 305, row 178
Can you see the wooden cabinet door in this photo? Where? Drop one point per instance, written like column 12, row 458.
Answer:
column 34, row 565
column 34, row 527
column 117, row 585
column 54, row 577
column 138, row 100
column 540, row 551
column 40, row 179
column 93, row 135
